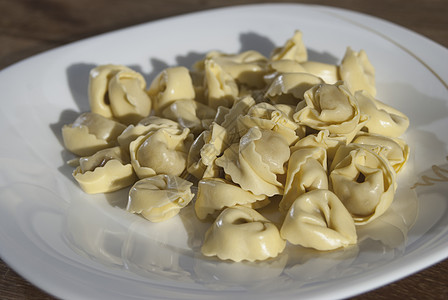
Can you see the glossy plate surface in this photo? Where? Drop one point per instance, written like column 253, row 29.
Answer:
column 76, row 246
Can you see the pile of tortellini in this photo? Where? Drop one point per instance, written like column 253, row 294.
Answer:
column 246, row 131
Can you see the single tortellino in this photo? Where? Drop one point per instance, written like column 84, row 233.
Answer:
column 293, row 49
column 364, row 181
column 357, row 72
column 319, row 220
column 322, row 139
column 189, row 114
column 108, row 170
column 256, row 160
column 151, row 123
column 159, row 198
column 289, row 88
column 221, row 87
column 162, row 151
column 205, row 149
column 241, row 233
column 395, row 150
column 331, row 107
column 246, row 68
column 383, row 119
column 269, row 117
column 307, row 171
column 328, row 72
column 89, row 133
column 214, row 194
column 170, row 85
column 118, row 92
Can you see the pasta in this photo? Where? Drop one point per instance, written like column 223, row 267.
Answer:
column 280, row 151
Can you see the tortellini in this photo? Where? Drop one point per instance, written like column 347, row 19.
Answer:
column 331, row 107
column 319, row 220
column 214, row 194
column 280, row 151
column 357, row 72
column 364, row 181
column 256, row 160
column 159, row 197
column 162, row 151
column 241, row 233
column 118, row 92
column 170, row 85
column 106, row 171
column 383, row 119
column 89, row 133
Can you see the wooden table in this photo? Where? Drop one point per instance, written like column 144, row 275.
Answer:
column 28, row 27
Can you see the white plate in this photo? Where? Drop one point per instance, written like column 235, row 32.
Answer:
column 78, row 246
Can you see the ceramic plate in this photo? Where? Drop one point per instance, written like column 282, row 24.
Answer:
column 74, row 245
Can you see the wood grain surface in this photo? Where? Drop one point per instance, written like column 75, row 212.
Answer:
column 28, row 27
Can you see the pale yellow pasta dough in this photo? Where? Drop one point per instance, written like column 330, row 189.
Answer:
column 162, row 151
column 214, row 194
column 222, row 89
column 277, row 67
column 269, row 117
column 159, row 198
column 189, row 114
column 395, row 150
column 289, row 88
column 293, row 49
column 364, row 181
column 106, row 171
column 383, row 119
column 256, row 160
column 90, row 133
column 322, row 139
column 331, row 107
column 145, row 125
column 357, row 72
column 246, row 68
column 329, row 73
column 318, row 219
column 170, row 85
column 204, row 151
column 307, row 171
column 116, row 91
column 241, row 233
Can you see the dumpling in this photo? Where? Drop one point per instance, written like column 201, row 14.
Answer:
column 214, row 194
column 364, row 181
column 189, row 114
column 106, row 171
column 357, row 72
column 221, row 87
column 277, row 67
column 267, row 116
column 383, row 119
column 241, row 233
column 170, row 85
column 162, row 151
column 256, row 160
column 318, row 219
column 395, row 150
column 118, row 92
column 145, row 125
column 289, row 88
column 333, row 108
column 246, row 68
column 293, row 49
column 159, row 198
column 307, row 170
column 89, row 133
